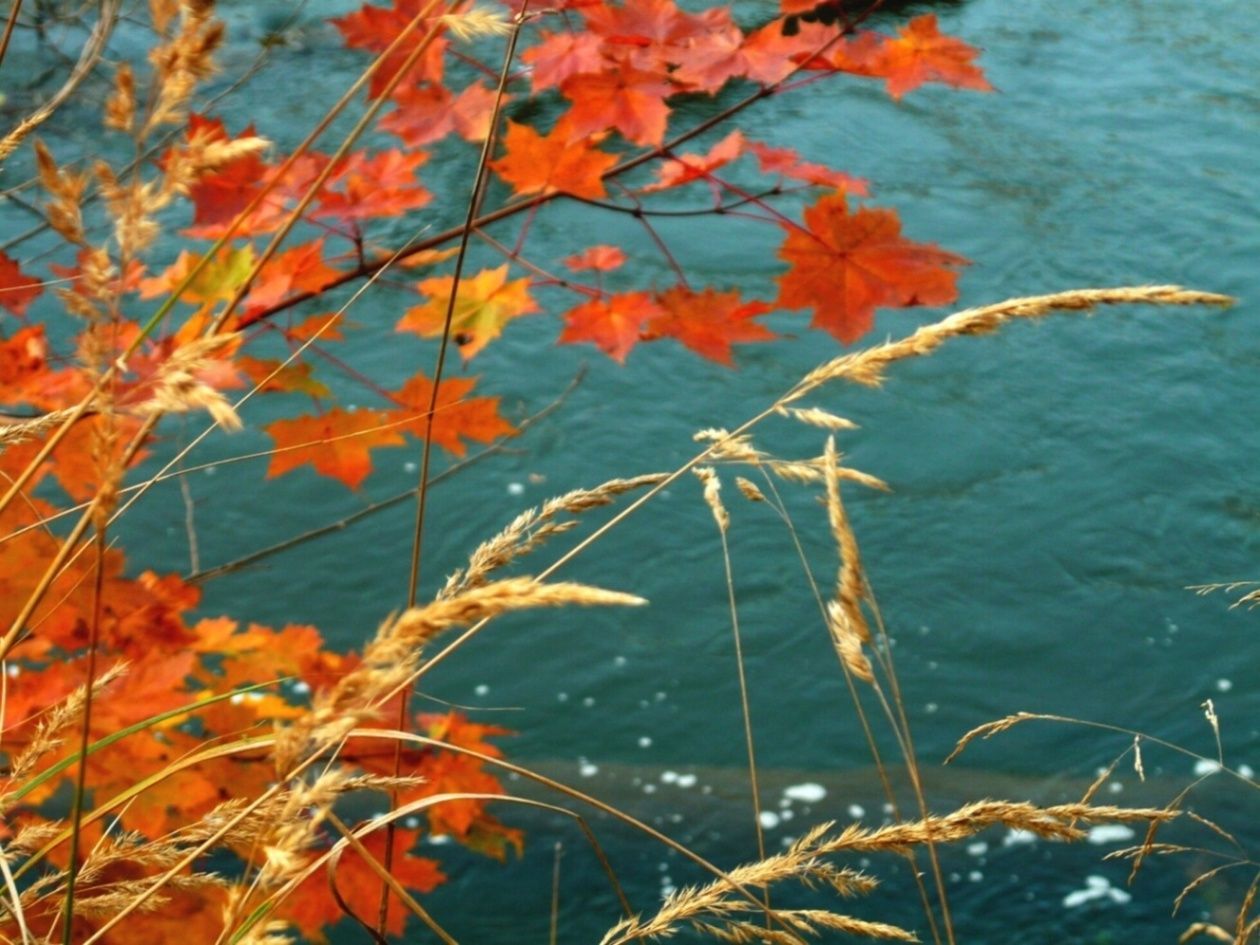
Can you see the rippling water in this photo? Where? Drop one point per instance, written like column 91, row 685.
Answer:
column 1055, row 487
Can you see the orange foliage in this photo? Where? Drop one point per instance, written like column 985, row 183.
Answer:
column 619, row 67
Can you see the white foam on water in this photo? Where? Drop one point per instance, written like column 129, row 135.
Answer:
column 619, row 660
column 588, row 701
column 1247, row 772
column 1115, row 787
column 1096, row 887
column 807, row 792
column 786, row 815
column 1206, row 766
column 410, row 466
column 686, row 780
column 1224, row 685
column 516, row 488
column 438, row 839
column 669, row 777
column 649, row 789
column 978, row 848
column 645, row 741
column 857, row 811
column 1101, row 834
column 562, row 697
column 769, row 820
column 1017, row 837
column 301, row 688
column 975, row 876
column 586, row 769
column 482, row 689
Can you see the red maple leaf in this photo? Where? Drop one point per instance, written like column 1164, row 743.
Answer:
column 560, row 162
column 17, row 289
column 373, row 29
column 613, row 324
column 370, row 186
column 845, row 265
column 709, row 322
column 561, row 55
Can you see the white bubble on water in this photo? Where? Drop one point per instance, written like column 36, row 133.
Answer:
column 516, row 488
column 857, row 811
column 769, row 820
column 1101, row 834
column 1224, row 685
column 586, row 769
column 1206, row 766
column 807, row 792
column 686, row 780
column 482, row 689
column 645, row 741
column 669, row 777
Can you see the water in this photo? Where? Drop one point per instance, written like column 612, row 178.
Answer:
column 1055, row 488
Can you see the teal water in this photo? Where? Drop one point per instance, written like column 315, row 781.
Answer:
column 1055, row 487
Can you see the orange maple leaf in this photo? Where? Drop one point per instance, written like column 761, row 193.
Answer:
column 536, row 163
column 846, row 265
column 378, row 185
column 630, row 100
column 373, row 29
column 919, row 54
column 312, row 905
column 17, row 289
column 271, row 376
column 298, row 269
column 709, row 322
column 483, row 305
column 692, row 167
column 458, row 417
column 338, row 443
column 613, row 324
column 787, row 163
column 600, row 258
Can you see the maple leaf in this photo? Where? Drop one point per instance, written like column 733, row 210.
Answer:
column 17, row 290
column 600, row 258
column 919, row 54
column 692, row 167
column 712, row 59
column 457, row 416
column 216, row 282
column 374, row 28
column 613, row 324
column 556, row 162
column 218, row 196
column 787, row 163
column 370, row 186
column 313, row 905
column 709, row 322
column 628, row 100
column 338, row 443
column 271, row 376
column 483, row 305
column 298, row 269
column 844, row 266
column 561, row 55
column 326, row 327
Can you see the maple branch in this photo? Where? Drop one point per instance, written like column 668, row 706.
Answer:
column 341, row 524
column 533, row 202
column 718, row 210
